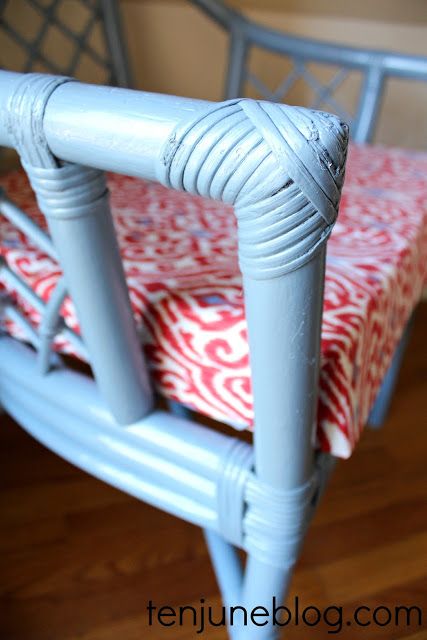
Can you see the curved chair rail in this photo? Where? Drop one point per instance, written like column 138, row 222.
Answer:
column 376, row 65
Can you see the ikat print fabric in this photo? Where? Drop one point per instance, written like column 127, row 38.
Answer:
column 180, row 259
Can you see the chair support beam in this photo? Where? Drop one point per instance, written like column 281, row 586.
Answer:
column 166, row 461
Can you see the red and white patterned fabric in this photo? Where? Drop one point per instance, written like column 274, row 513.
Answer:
column 179, row 255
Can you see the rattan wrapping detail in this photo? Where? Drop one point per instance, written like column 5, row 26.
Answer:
column 281, row 167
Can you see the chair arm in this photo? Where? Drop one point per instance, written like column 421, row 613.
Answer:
column 282, row 169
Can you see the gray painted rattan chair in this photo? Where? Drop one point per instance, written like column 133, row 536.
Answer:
column 285, row 189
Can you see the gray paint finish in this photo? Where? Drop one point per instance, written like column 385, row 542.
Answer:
column 282, row 170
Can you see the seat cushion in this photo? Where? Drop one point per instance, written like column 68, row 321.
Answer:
column 179, row 255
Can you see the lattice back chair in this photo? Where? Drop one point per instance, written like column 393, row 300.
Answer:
column 170, row 262
column 79, row 38
column 372, row 67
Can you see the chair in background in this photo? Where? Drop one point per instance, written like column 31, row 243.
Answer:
column 173, row 282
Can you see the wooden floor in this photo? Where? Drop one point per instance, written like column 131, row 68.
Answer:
column 81, row 560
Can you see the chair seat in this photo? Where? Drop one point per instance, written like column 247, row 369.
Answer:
column 179, row 255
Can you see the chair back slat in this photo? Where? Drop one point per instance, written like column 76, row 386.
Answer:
column 81, row 38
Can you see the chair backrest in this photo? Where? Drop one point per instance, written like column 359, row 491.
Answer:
column 80, row 38
column 368, row 67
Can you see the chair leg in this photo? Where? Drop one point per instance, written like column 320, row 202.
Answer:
column 227, row 566
column 264, row 586
column 178, row 409
column 228, row 570
column 382, row 403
